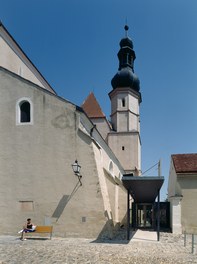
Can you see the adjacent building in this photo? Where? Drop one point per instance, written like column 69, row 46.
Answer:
column 182, row 192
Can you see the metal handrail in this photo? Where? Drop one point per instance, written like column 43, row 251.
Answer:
column 192, row 241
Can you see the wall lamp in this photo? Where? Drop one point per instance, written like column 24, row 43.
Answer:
column 76, row 169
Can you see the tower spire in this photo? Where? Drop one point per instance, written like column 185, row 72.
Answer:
column 125, row 77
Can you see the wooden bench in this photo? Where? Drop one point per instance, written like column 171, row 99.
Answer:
column 42, row 229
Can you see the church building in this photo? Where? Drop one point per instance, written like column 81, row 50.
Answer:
column 44, row 137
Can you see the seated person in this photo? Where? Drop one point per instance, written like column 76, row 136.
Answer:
column 28, row 227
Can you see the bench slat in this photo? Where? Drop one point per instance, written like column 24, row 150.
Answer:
column 42, row 229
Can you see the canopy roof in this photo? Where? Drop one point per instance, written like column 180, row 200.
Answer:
column 143, row 189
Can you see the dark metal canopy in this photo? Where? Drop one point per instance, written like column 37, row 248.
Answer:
column 143, row 189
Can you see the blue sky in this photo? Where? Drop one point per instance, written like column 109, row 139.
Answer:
column 74, row 44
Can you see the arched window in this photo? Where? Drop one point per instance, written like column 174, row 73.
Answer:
column 24, row 111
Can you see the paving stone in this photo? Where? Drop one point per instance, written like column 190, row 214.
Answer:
column 170, row 250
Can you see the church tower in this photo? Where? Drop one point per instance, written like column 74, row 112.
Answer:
column 125, row 98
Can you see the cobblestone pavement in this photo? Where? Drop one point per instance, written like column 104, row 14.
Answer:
column 169, row 250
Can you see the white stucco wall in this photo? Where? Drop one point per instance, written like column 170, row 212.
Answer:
column 188, row 184
column 127, row 147
column 13, row 59
column 124, row 118
column 36, row 176
column 173, row 188
column 175, row 215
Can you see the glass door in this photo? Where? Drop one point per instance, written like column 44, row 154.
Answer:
column 144, row 215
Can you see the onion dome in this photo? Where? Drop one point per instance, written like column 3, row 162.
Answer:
column 125, row 77
column 126, row 42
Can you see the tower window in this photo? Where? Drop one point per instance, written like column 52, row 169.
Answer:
column 130, row 59
column 123, row 102
column 125, row 59
column 122, row 147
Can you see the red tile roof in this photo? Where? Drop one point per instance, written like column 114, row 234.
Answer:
column 185, row 163
column 92, row 107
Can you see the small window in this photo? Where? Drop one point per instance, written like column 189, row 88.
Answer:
column 130, row 59
column 123, row 102
column 25, row 112
column 83, row 219
column 122, row 147
column 124, row 59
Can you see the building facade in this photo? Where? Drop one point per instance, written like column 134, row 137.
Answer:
column 182, row 192
column 42, row 135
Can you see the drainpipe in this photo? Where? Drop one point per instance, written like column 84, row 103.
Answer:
column 128, row 216
column 158, row 216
